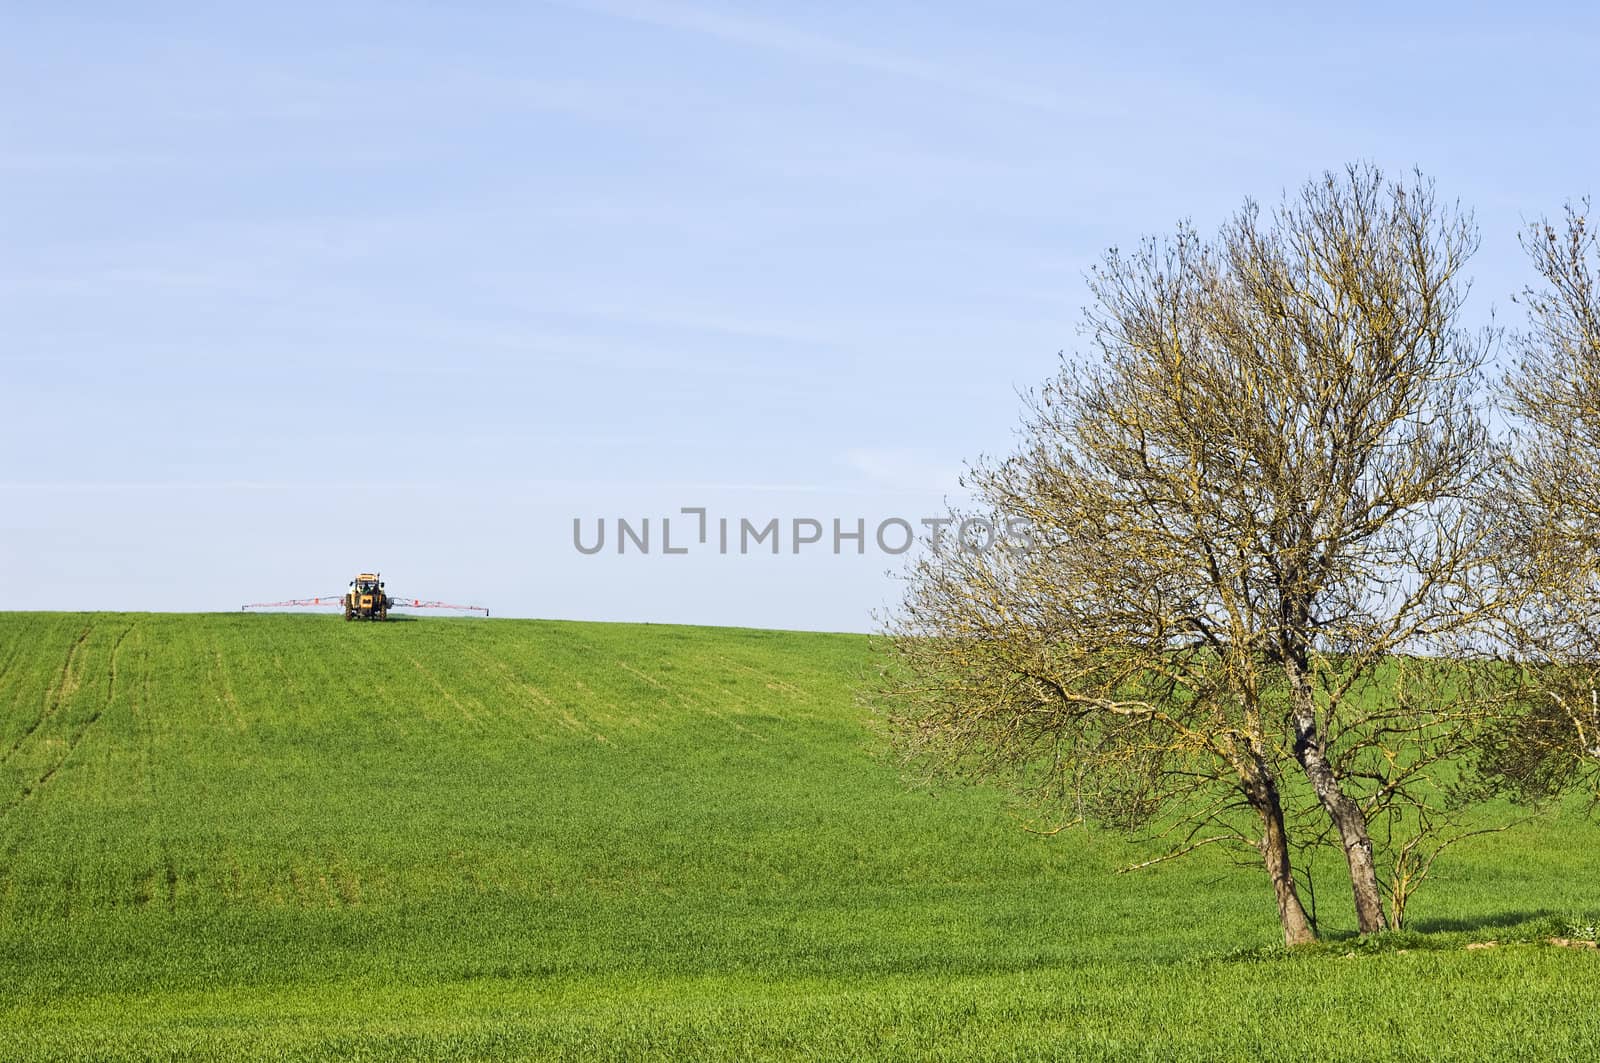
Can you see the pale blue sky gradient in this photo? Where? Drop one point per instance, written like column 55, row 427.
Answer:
column 292, row 290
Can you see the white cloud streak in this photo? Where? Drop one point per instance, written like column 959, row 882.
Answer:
column 820, row 48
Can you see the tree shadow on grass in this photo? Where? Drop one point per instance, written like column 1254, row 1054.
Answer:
column 1456, row 924
column 1472, row 924
column 1532, row 924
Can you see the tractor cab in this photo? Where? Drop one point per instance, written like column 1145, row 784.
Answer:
column 366, row 598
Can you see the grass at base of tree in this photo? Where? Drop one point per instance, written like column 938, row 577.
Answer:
column 278, row 837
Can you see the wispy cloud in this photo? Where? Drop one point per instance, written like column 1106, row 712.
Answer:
column 821, row 48
column 903, row 469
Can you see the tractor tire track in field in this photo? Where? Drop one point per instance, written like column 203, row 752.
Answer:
column 631, row 670
column 393, row 659
column 560, row 715
column 228, row 698
column 443, row 690
column 143, row 728
column 770, row 681
column 684, row 701
column 65, row 686
column 83, row 729
column 14, row 653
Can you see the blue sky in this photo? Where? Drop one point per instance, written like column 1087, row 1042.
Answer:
column 293, row 290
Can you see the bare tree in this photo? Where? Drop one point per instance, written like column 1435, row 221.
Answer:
column 1549, row 516
column 1255, row 539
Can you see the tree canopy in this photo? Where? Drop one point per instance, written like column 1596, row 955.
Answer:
column 1261, row 600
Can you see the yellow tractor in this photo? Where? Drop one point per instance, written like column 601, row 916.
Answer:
column 365, row 599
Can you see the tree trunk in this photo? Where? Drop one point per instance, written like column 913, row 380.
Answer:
column 1345, row 814
column 1263, row 797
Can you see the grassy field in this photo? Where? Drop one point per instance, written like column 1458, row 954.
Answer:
column 277, row 837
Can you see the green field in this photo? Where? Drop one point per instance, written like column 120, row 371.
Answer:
column 287, row 837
